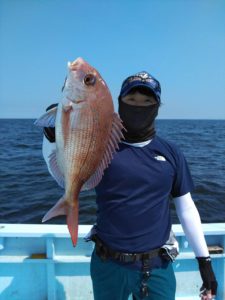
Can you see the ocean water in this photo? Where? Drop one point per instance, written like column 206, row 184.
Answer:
column 27, row 191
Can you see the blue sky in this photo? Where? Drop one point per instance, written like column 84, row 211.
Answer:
column 180, row 42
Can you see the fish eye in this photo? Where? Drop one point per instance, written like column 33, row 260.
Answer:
column 89, row 79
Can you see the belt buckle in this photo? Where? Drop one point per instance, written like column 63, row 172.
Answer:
column 128, row 257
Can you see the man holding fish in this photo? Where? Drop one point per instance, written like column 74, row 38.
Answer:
column 134, row 173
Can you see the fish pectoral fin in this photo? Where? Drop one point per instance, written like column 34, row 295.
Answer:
column 93, row 180
column 55, row 170
column 115, row 137
column 60, row 208
column 47, row 119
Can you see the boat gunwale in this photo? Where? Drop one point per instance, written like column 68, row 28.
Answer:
column 61, row 231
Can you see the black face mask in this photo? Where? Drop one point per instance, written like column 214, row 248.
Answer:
column 138, row 121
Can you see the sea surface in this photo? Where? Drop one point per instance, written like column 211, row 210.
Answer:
column 27, row 191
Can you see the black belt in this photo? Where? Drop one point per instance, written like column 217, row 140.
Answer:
column 105, row 252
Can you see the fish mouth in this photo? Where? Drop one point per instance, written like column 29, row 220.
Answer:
column 75, row 101
column 79, row 101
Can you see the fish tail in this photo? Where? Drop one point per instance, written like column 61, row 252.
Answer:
column 60, row 208
column 72, row 221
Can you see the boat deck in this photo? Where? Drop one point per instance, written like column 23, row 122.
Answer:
column 39, row 262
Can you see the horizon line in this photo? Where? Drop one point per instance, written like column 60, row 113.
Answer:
column 197, row 119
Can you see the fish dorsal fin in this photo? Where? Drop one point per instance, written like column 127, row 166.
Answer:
column 55, row 170
column 114, row 139
column 47, row 119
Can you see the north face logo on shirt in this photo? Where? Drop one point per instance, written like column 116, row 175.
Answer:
column 159, row 157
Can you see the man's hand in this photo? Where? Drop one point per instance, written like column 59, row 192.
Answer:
column 206, row 294
column 209, row 287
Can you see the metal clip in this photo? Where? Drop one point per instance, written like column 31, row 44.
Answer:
column 144, row 290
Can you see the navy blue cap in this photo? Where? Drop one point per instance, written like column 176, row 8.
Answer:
column 141, row 79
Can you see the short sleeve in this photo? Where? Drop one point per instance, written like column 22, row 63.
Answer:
column 183, row 182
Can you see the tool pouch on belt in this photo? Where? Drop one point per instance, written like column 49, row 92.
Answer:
column 170, row 250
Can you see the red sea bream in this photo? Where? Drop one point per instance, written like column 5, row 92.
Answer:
column 87, row 134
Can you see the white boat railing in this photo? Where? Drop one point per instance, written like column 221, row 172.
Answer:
column 39, row 262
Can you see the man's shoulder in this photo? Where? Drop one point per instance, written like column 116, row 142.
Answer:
column 168, row 145
column 170, row 150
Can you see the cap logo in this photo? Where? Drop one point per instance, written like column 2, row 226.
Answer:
column 143, row 75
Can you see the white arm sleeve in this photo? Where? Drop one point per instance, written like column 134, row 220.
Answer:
column 191, row 224
column 47, row 149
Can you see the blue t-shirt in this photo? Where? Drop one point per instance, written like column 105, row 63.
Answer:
column 133, row 212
